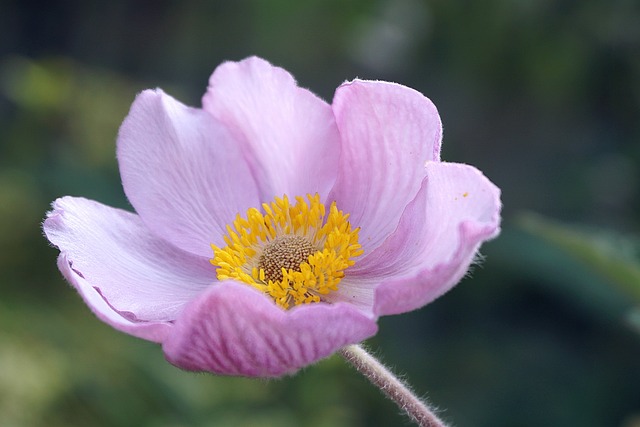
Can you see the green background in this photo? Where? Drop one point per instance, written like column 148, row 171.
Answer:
column 542, row 96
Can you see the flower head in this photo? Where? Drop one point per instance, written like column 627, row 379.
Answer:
column 271, row 228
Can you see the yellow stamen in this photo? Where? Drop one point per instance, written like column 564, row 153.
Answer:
column 294, row 253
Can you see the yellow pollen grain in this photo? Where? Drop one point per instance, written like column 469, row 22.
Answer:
column 294, row 253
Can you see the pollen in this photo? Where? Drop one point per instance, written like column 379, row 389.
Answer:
column 286, row 252
column 294, row 253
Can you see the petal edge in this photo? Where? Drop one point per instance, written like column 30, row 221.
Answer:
column 457, row 209
column 388, row 133
column 110, row 251
column 233, row 329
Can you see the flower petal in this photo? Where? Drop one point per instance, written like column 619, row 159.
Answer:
column 182, row 172
column 456, row 209
column 152, row 331
column 289, row 134
column 233, row 329
column 119, row 267
column 388, row 133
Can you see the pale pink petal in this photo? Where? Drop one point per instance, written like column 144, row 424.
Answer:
column 357, row 290
column 388, row 133
column 182, row 172
column 109, row 252
column 235, row 330
column 456, row 209
column 123, row 321
column 289, row 135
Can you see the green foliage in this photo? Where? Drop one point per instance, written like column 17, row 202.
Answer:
column 614, row 257
column 62, row 367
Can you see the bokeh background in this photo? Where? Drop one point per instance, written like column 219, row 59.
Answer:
column 541, row 95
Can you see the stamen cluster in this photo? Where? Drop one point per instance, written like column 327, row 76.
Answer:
column 294, row 253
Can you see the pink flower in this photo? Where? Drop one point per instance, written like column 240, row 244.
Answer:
column 352, row 195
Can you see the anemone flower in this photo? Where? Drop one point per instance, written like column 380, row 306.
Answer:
column 272, row 229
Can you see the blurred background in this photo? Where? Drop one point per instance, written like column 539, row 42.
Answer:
column 542, row 95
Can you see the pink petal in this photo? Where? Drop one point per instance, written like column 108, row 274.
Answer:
column 388, row 133
column 357, row 290
column 233, row 329
column 152, row 331
column 183, row 172
column 126, row 274
column 289, row 134
column 456, row 209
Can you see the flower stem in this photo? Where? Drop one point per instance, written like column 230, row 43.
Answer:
column 391, row 386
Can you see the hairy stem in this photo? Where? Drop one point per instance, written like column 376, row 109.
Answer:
column 391, row 386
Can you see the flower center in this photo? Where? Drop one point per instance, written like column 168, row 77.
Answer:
column 286, row 252
column 295, row 253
